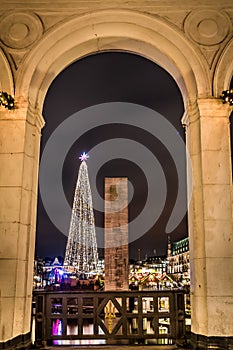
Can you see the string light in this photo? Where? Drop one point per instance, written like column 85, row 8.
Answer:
column 227, row 96
column 81, row 249
column 6, row 100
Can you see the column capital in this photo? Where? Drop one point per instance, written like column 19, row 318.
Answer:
column 24, row 111
column 35, row 117
column 213, row 107
column 6, row 114
column 191, row 113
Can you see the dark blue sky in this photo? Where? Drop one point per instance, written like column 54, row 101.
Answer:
column 113, row 77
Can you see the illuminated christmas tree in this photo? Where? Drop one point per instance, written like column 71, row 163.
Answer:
column 81, row 248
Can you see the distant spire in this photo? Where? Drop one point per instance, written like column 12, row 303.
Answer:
column 139, row 254
column 169, row 246
column 56, row 262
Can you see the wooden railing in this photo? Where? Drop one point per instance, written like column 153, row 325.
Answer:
column 150, row 317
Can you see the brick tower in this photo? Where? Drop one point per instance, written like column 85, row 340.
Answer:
column 116, row 234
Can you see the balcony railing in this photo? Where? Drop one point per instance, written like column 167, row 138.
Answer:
column 149, row 317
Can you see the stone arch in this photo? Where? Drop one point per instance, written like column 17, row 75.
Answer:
column 6, row 78
column 211, row 207
column 107, row 30
column 112, row 30
column 224, row 70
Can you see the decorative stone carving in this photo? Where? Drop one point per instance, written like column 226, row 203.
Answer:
column 19, row 30
column 207, row 27
column 210, row 53
column 177, row 18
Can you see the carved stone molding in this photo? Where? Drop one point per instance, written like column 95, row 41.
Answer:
column 34, row 117
column 207, row 27
column 19, row 30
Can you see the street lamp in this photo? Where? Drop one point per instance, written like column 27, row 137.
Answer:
column 6, row 100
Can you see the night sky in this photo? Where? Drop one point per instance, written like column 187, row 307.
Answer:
column 113, row 77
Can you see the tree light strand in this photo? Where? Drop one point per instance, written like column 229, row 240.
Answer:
column 81, row 249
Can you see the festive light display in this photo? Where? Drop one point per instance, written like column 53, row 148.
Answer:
column 81, row 249
column 227, row 96
column 6, row 100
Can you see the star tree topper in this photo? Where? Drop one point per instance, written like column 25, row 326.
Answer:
column 84, row 156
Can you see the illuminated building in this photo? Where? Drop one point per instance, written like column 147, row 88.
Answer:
column 178, row 258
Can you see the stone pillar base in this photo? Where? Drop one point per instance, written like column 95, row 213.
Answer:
column 21, row 342
column 203, row 342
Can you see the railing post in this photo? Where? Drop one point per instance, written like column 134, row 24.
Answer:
column 40, row 336
column 180, row 319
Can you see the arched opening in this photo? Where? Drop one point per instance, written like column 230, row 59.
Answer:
column 114, row 30
column 104, row 78
column 114, row 77
column 154, row 39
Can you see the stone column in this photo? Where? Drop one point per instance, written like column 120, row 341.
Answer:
column 19, row 158
column 116, row 234
column 210, row 224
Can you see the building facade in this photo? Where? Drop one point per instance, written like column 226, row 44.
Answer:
column 178, row 259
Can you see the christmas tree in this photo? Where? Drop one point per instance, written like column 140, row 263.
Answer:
column 81, row 249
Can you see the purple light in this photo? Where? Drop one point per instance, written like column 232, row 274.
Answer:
column 57, row 327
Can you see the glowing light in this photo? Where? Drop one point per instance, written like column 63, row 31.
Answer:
column 227, row 96
column 84, row 156
column 6, row 100
column 57, row 327
column 81, row 248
